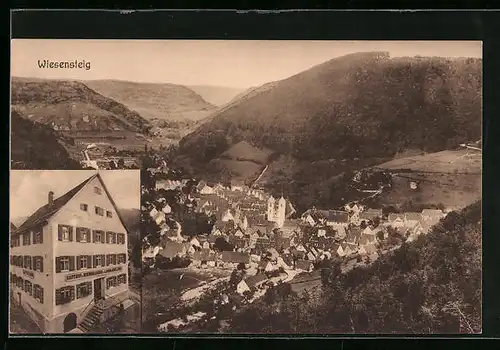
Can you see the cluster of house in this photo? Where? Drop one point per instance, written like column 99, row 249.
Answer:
column 253, row 229
column 357, row 230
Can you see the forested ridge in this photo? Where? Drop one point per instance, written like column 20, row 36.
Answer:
column 431, row 285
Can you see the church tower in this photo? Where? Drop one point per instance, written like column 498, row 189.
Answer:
column 270, row 209
column 280, row 215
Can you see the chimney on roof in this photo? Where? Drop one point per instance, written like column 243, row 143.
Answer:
column 51, row 198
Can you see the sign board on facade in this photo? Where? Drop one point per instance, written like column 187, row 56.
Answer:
column 79, row 275
column 28, row 273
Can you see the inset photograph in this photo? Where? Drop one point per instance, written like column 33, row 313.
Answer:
column 72, row 241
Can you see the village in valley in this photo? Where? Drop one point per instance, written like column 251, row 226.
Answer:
column 248, row 241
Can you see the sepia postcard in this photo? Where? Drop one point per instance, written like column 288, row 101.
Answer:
column 286, row 187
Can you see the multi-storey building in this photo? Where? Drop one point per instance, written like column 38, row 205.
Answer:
column 68, row 254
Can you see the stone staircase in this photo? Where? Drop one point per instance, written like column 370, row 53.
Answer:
column 92, row 318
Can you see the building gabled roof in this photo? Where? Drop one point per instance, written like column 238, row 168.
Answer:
column 370, row 214
column 235, row 257
column 394, row 216
column 413, row 216
column 263, row 264
column 204, row 255
column 370, row 248
column 254, row 281
column 432, row 212
column 303, row 264
column 335, row 215
column 365, row 239
column 12, row 227
column 224, row 226
column 47, row 211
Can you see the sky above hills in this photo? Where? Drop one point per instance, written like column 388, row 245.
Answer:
column 29, row 189
column 225, row 63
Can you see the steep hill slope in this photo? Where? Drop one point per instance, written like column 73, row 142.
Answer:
column 429, row 286
column 349, row 106
column 72, row 106
column 167, row 102
column 350, row 112
column 36, row 146
column 216, row 95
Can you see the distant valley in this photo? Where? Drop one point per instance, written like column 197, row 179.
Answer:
column 126, row 116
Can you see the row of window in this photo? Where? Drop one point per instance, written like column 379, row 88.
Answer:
column 97, row 210
column 34, row 290
column 70, row 263
column 65, row 233
column 34, row 263
column 67, row 294
column 116, row 280
column 86, row 235
column 36, row 237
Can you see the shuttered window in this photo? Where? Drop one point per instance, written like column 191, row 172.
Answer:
column 83, row 290
column 121, row 258
column 38, row 263
column 98, row 236
column 27, row 262
column 110, row 282
column 28, row 287
column 99, row 211
column 26, row 238
column 98, row 260
column 65, row 233
column 110, row 259
column 38, row 236
column 120, row 238
column 38, row 293
column 83, row 234
column 110, row 237
column 65, row 263
column 65, row 295
column 84, row 262
column 122, row 279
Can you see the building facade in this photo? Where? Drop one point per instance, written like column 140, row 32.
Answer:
column 276, row 210
column 69, row 253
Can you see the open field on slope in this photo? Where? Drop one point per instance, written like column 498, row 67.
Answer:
column 447, row 177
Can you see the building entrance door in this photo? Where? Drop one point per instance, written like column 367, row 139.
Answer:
column 69, row 322
column 98, row 289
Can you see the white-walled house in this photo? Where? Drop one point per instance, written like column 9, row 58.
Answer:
column 68, row 255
